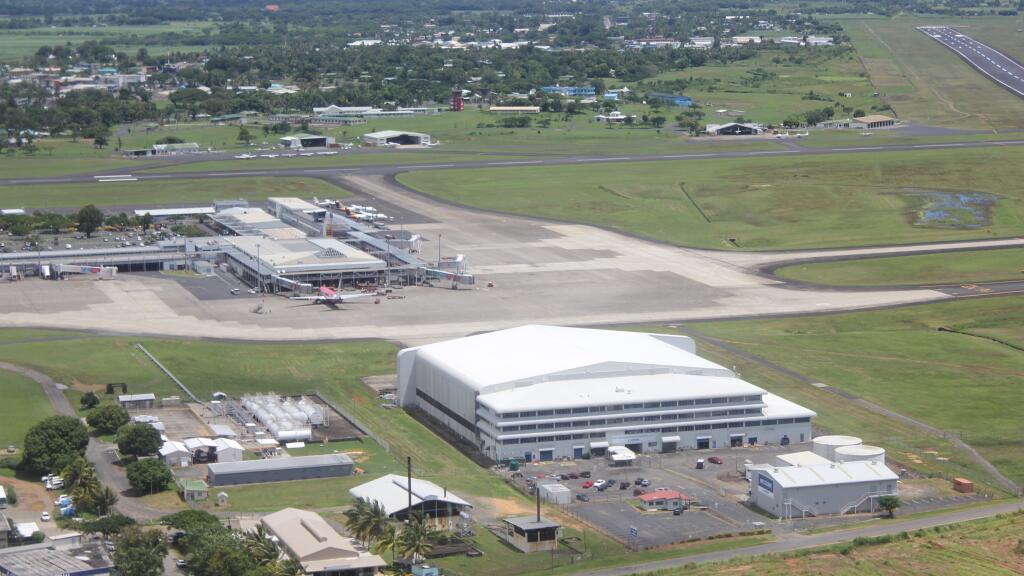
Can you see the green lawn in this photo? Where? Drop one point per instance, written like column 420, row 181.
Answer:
column 965, row 384
column 21, row 43
column 24, row 404
column 950, row 268
column 928, row 83
column 59, row 156
column 139, row 193
column 791, row 202
column 986, row 546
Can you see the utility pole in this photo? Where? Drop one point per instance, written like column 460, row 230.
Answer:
column 259, row 269
column 439, row 250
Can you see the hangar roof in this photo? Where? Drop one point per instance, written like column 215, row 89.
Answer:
column 618, row 390
column 392, row 134
column 534, row 351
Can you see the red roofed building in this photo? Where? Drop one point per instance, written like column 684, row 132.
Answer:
column 663, row 500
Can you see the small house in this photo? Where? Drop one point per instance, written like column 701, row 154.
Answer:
column 663, row 500
column 531, row 533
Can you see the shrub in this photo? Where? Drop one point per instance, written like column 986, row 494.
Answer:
column 12, row 496
column 107, row 419
column 149, row 476
column 89, row 400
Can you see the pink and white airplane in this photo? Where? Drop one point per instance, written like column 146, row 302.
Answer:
column 331, row 297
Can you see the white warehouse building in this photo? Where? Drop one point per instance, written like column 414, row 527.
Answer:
column 546, row 392
column 820, row 489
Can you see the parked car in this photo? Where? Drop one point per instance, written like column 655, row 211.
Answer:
column 714, row 460
column 585, row 474
column 583, row 497
column 588, row 484
column 677, row 511
column 645, row 482
column 573, row 476
column 700, row 464
column 181, row 563
column 639, row 491
column 638, row 482
column 623, row 485
column 45, row 516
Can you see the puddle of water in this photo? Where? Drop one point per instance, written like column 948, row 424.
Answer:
column 955, row 210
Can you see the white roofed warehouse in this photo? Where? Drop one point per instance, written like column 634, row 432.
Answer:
column 546, row 392
column 820, row 489
column 395, row 492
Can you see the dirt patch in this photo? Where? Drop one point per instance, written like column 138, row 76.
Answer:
column 31, row 495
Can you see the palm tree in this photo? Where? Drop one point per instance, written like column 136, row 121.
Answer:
column 260, row 547
column 85, row 489
column 417, row 539
column 105, row 501
column 366, row 520
column 390, row 538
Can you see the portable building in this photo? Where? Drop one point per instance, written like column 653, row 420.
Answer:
column 279, row 469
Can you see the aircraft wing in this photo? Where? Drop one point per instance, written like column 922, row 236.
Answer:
column 306, row 298
column 353, row 295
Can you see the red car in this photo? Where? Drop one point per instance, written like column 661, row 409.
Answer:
column 588, row 484
column 715, row 460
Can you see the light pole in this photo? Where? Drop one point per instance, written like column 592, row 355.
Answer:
column 438, row 250
column 259, row 269
column 387, row 240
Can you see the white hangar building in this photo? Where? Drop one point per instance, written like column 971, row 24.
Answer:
column 820, row 489
column 546, row 392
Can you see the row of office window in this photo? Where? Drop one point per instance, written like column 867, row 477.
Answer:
column 632, row 419
column 635, row 406
column 660, row 430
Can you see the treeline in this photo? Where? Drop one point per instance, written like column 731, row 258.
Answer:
column 85, row 113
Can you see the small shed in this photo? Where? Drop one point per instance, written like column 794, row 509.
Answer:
column 193, row 489
column 175, row 454
column 531, row 533
column 556, row 493
column 137, row 401
column 228, row 450
column 963, row 485
column 223, row 431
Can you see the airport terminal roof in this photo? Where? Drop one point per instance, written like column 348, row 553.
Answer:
column 873, row 118
column 827, row 474
column 779, row 407
column 296, row 204
column 392, row 493
column 533, row 351
column 616, row 390
column 164, row 212
column 256, row 222
column 304, row 254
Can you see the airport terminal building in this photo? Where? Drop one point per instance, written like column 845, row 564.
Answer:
column 546, row 392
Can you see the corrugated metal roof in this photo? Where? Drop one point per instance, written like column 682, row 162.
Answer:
column 295, row 463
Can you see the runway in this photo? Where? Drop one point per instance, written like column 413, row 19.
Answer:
column 384, row 170
column 999, row 67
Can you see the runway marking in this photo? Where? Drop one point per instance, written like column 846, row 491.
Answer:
column 951, row 145
column 515, row 162
column 113, row 176
column 435, row 165
column 860, row 148
column 329, row 170
column 237, row 173
column 118, row 179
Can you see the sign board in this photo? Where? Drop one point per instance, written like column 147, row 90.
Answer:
column 765, row 484
column 633, row 532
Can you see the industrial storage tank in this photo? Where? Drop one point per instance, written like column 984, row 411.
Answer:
column 861, row 453
column 825, row 446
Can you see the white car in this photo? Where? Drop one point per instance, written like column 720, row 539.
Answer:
column 45, row 516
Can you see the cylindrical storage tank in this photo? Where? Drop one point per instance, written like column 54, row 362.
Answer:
column 825, row 446
column 861, row 453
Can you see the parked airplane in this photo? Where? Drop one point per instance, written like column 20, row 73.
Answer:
column 331, row 298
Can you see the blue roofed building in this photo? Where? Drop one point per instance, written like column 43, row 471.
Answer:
column 670, row 99
column 571, row 91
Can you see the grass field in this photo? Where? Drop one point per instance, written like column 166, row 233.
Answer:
column 168, row 192
column 926, row 82
column 799, row 202
column 24, row 404
column 58, row 156
column 961, row 383
column 982, row 547
column 950, row 268
column 18, row 44
column 781, row 90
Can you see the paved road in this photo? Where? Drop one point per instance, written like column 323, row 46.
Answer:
column 242, row 171
column 97, row 452
column 801, row 541
column 999, row 67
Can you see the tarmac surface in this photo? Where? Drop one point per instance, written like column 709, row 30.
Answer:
column 243, row 171
column 999, row 67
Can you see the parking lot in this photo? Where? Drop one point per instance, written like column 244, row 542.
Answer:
column 718, row 490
